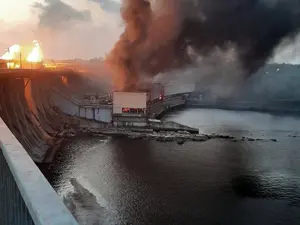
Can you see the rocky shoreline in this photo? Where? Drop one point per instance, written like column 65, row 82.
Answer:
column 145, row 134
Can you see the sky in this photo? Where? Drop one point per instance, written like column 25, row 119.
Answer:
column 66, row 29
column 69, row 29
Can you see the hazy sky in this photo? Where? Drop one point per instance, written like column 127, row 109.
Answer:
column 65, row 28
column 76, row 28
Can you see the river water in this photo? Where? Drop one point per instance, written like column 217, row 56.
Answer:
column 122, row 181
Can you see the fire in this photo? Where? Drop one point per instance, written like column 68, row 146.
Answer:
column 11, row 52
column 23, row 56
column 36, row 54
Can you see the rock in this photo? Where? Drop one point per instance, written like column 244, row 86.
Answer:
column 169, row 138
column 274, row 140
column 227, row 137
column 180, row 141
column 137, row 137
column 164, row 139
column 200, row 138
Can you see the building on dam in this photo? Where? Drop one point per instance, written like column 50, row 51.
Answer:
column 132, row 108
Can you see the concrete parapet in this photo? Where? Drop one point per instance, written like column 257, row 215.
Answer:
column 43, row 204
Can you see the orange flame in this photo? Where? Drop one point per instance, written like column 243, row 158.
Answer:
column 17, row 55
column 11, row 52
column 36, row 54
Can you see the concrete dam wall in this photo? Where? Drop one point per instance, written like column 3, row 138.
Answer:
column 29, row 108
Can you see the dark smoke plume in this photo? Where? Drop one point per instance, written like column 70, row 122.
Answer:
column 160, row 34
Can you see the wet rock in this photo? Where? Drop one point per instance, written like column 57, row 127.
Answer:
column 136, row 136
column 274, row 140
column 250, row 139
column 227, row 137
column 180, row 141
column 169, row 138
column 200, row 138
column 164, row 139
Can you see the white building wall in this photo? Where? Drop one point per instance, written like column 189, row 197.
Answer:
column 82, row 112
column 89, row 113
column 104, row 115
column 99, row 114
column 128, row 100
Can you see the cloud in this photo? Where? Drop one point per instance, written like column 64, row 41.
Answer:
column 108, row 5
column 63, row 35
column 56, row 14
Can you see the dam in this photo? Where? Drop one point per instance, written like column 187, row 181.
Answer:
column 41, row 106
column 29, row 109
column 38, row 109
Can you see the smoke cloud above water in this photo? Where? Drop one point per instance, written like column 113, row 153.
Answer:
column 162, row 35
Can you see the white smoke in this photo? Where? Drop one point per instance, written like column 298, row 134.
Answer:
column 219, row 72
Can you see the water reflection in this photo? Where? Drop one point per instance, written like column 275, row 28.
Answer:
column 124, row 181
column 269, row 186
column 84, row 206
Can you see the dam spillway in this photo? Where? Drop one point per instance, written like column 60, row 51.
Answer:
column 29, row 108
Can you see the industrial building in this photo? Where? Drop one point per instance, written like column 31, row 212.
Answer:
column 118, row 108
column 130, row 108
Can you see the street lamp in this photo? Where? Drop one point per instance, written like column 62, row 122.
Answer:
column 20, row 60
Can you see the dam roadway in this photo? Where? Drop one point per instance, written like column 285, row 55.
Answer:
column 31, row 73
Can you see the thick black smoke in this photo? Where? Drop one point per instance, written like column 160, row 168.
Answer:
column 159, row 33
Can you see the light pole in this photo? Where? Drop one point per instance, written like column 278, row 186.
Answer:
column 20, row 60
column 8, row 64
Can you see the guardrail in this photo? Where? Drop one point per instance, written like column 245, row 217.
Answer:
column 26, row 197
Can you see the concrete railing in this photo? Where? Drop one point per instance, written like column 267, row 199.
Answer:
column 26, row 197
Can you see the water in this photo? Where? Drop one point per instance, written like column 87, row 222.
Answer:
column 121, row 181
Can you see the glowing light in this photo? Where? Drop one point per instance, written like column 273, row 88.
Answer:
column 23, row 57
column 11, row 52
column 12, row 65
column 36, row 54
